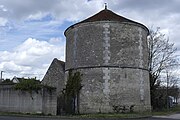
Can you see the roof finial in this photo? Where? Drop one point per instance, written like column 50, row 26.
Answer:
column 105, row 6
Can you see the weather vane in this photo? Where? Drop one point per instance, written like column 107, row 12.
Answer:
column 105, row 5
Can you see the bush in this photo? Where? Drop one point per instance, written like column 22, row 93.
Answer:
column 29, row 85
column 7, row 81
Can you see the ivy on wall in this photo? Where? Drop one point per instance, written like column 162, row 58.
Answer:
column 72, row 91
column 28, row 85
column 31, row 85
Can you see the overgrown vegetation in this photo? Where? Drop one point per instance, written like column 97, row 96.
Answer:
column 72, row 91
column 7, row 81
column 31, row 85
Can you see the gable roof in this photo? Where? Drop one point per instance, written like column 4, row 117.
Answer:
column 55, row 75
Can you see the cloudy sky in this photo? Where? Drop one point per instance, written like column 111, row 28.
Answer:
column 31, row 31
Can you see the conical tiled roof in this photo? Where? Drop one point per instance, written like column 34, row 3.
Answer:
column 106, row 15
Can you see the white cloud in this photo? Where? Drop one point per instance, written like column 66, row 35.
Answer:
column 75, row 11
column 31, row 57
column 21, row 16
column 37, row 16
column 56, row 41
column 33, row 47
column 12, row 67
column 59, row 9
column 3, row 21
column 2, row 8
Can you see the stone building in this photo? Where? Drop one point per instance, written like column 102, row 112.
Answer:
column 41, row 101
column 55, row 75
column 112, row 54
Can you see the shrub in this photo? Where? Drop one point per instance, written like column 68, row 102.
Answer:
column 29, row 85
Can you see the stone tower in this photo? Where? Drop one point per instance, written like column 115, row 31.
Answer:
column 111, row 52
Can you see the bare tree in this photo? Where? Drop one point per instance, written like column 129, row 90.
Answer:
column 171, row 78
column 171, row 81
column 161, row 58
column 161, row 54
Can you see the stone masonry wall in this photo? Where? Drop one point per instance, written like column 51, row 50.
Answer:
column 113, row 58
column 55, row 75
column 86, row 45
column 124, row 89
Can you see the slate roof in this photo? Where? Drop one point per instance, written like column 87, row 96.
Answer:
column 106, row 15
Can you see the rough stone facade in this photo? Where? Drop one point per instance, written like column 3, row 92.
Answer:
column 55, row 75
column 113, row 58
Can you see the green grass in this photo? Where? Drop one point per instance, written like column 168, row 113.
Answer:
column 173, row 110
column 113, row 115
column 169, row 111
column 20, row 114
column 108, row 115
column 98, row 115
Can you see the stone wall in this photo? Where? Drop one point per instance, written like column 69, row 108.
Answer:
column 11, row 100
column 106, row 43
column 113, row 58
column 123, row 90
column 55, row 75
